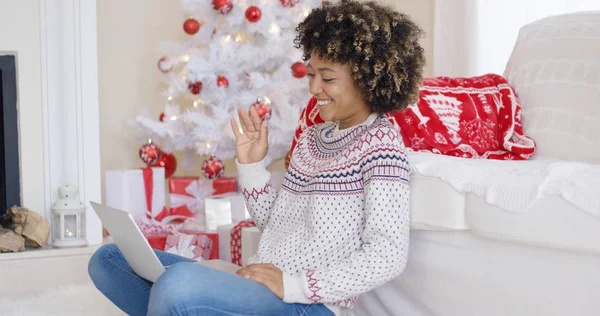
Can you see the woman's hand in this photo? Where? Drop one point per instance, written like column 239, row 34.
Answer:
column 252, row 142
column 266, row 274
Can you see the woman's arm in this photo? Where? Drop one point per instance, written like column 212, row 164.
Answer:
column 252, row 144
column 384, row 247
column 255, row 184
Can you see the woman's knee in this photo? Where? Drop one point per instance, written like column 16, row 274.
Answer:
column 173, row 291
column 98, row 261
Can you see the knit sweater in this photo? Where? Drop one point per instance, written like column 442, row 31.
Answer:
column 339, row 226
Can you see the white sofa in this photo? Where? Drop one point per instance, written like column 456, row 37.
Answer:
column 498, row 238
column 515, row 238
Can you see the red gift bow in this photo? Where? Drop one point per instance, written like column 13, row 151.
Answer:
column 156, row 226
column 236, row 240
column 187, row 194
column 190, row 202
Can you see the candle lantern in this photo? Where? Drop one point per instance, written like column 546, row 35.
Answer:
column 68, row 218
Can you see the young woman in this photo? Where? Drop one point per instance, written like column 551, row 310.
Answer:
column 339, row 227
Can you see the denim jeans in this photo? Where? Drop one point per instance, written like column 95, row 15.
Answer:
column 186, row 288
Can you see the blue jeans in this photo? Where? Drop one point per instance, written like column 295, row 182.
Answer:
column 186, row 288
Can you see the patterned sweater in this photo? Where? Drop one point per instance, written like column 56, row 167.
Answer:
column 339, row 226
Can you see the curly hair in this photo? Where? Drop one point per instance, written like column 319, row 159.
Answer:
column 380, row 45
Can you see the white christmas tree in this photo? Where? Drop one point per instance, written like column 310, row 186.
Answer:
column 240, row 54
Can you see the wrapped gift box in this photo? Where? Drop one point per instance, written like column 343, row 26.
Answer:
column 224, row 185
column 131, row 189
column 159, row 242
column 186, row 197
column 224, row 209
column 213, row 202
column 192, row 246
column 250, row 237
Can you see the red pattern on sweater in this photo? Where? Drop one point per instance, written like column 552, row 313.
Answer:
column 313, row 287
column 256, row 193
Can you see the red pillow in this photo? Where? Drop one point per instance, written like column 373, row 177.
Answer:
column 477, row 117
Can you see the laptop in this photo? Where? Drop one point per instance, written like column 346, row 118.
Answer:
column 135, row 248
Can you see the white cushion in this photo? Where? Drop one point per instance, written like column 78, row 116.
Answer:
column 434, row 203
column 550, row 222
column 541, row 202
column 555, row 71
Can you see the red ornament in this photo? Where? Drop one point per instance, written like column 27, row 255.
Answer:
column 164, row 65
column 162, row 117
column 150, row 153
column 191, row 26
column 167, row 161
column 263, row 107
column 223, row 6
column 213, row 168
column 222, row 82
column 253, row 14
column 195, row 87
column 299, row 70
column 289, row 3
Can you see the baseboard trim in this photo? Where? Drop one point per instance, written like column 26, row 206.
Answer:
column 47, row 252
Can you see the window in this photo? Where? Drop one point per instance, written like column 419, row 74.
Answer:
column 498, row 24
column 475, row 37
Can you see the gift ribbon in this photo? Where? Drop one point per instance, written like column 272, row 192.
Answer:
column 236, row 240
column 196, row 191
column 149, row 189
column 155, row 225
column 150, row 226
column 148, row 176
column 189, row 246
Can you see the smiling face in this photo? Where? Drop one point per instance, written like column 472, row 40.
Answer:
column 338, row 98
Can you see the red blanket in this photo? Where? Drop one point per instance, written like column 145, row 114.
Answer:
column 478, row 117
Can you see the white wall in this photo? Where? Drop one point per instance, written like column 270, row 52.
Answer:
column 20, row 35
column 421, row 11
column 496, row 35
column 128, row 42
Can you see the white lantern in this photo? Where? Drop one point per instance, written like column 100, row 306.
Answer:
column 68, row 218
